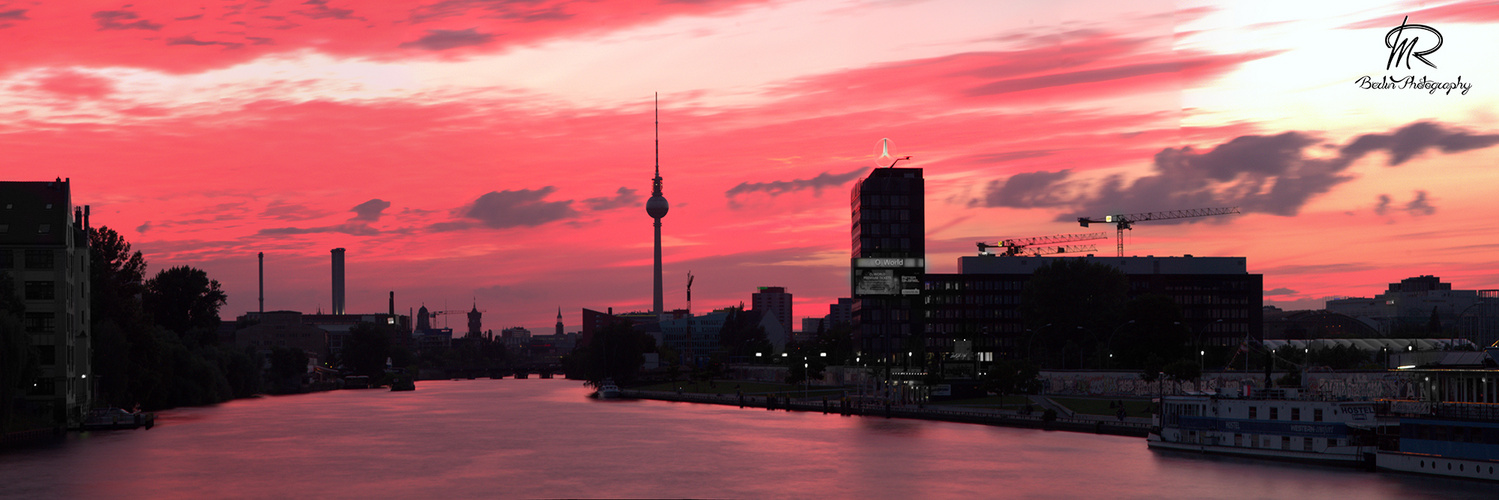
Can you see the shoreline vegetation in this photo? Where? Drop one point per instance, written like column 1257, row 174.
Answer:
column 1075, row 414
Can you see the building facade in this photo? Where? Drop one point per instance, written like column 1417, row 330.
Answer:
column 1408, row 307
column 44, row 249
column 774, row 302
column 1221, row 303
column 889, row 259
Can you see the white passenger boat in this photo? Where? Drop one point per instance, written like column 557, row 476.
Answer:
column 607, row 390
column 1277, row 425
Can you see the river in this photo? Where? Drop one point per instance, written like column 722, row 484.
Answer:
column 545, row 438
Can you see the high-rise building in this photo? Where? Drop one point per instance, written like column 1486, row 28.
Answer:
column 774, row 302
column 44, row 249
column 840, row 313
column 889, row 259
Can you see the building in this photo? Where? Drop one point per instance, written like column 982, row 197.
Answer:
column 693, row 338
column 272, row 329
column 889, row 259
column 775, row 302
column 1317, row 324
column 44, row 249
column 840, row 313
column 475, row 322
column 284, row 328
column 1220, row 301
column 1409, row 306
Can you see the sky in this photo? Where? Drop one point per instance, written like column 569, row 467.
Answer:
column 498, row 154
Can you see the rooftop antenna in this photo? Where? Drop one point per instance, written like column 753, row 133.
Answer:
column 658, row 135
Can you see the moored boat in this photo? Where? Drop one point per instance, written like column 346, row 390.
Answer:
column 116, row 418
column 607, row 390
column 1276, row 426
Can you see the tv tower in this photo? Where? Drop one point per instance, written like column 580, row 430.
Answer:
column 656, row 207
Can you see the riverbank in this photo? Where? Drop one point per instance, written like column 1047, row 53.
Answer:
column 1132, row 426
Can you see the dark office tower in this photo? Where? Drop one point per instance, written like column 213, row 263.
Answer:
column 559, row 321
column 338, row 281
column 889, row 261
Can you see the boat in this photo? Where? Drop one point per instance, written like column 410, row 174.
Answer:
column 1454, row 439
column 521, row 373
column 1274, row 425
column 116, row 418
column 607, row 390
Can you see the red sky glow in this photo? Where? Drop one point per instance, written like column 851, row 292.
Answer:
column 470, row 151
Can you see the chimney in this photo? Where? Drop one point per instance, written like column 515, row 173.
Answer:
column 261, row 255
column 338, row 281
column 85, row 217
column 392, row 303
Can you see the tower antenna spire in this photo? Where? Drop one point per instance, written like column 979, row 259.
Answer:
column 658, row 134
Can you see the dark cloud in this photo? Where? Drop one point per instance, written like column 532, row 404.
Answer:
column 1383, row 206
column 1274, row 174
column 1011, row 156
column 355, row 229
column 14, row 15
column 777, row 188
column 1279, row 291
column 1419, row 206
column 449, row 39
column 370, row 210
column 1416, row 138
column 1033, row 189
column 286, row 211
column 123, row 20
column 145, row 226
column 320, row 10
column 525, row 207
column 623, row 197
column 192, row 40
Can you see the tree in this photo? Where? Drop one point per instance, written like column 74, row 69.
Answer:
column 184, row 298
column 616, row 351
column 366, row 349
column 1067, row 304
column 1153, row 327
column 288, row 369
column 1183, row 371
column 1007, row 377
column 116, row 276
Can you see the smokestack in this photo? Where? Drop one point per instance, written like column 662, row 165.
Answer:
column 392, row 303
column 262, row 282
column 338, row 281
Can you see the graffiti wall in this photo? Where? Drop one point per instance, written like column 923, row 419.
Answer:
column 1352, row 385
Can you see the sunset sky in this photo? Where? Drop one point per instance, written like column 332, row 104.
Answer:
column 501, row 151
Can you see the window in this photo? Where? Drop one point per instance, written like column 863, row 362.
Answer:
column 7, row 259
column 1317, row 415
column 1306, row 444
column 1274, row 413
column 40, row 322
column 1295, row 413
column 38, row 258
column 41, row 290
column 1285, row 442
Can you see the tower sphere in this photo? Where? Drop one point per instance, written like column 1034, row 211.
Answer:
column 656, row 207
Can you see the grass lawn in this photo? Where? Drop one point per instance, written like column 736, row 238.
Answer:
column 734, row 386
column 1100, row 406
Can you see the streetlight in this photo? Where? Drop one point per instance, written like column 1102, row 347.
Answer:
column 1110, row 344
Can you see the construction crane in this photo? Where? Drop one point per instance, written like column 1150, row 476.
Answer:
column 1127, row 221
column 1018, row 246
column 689, row 292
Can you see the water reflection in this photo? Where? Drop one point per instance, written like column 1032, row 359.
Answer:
column 546, row 438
